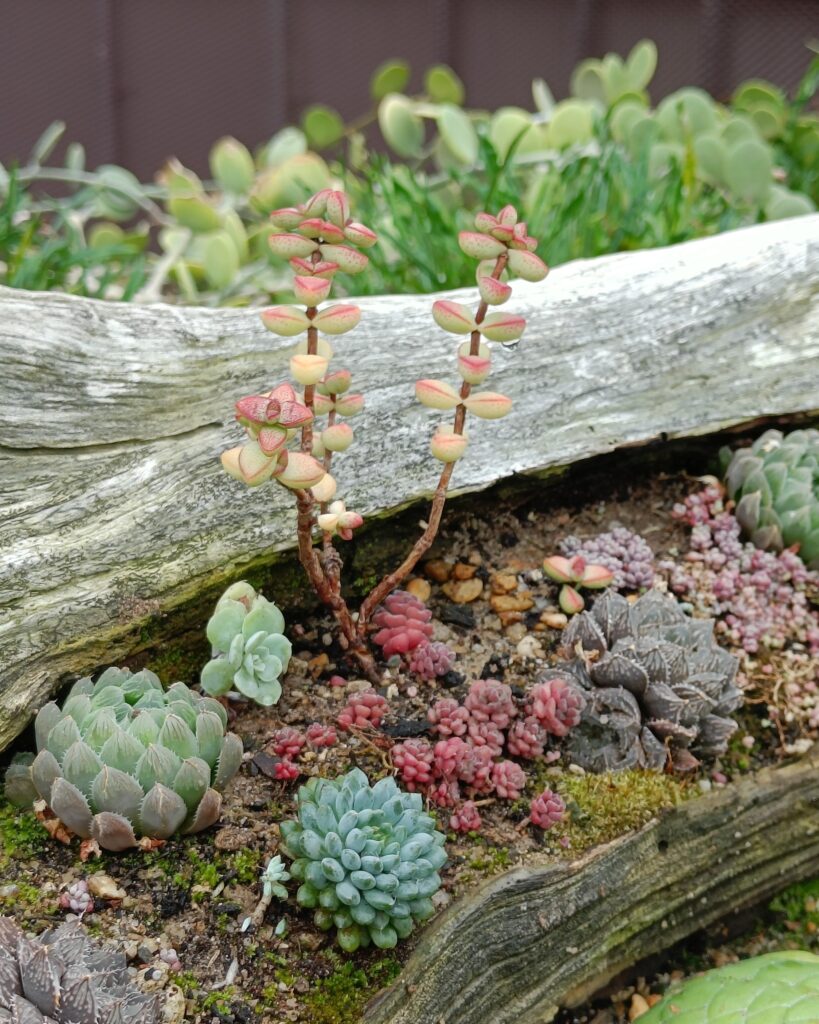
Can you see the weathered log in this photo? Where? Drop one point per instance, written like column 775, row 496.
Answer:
column 112, row 416
column 536, row 939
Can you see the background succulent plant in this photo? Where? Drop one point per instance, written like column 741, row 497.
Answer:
column 250, row 651
column 775, row 988
column 367, row 857
column 124, row 758
column 64, row 977
column 656, row 684
column 775, row 484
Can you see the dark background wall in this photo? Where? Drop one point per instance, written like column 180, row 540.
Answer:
column 139, row 80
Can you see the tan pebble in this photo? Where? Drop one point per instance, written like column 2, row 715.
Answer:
column 297, row 667
column 357, row 686
column 507, row 618
column 231, row 838
column 462, row 571
column 318, row 664
column 654, row 999
column 419, row 588
column 517, row 631
column 104, row 887
column 504, row 583
column 463, row 591
column 554, row 620
column 475, row 558
column 638, row 1007
column 511, row 602
column 437, row 569
column 529, row 648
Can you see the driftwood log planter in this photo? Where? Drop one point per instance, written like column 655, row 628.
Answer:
column 536, row 939
column 113, row 507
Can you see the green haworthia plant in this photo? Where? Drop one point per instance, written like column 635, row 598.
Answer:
column 776, row 988
column 62, row 977
column 367, row 857
column 775, row 484
column 124, row 759
column 250, row 651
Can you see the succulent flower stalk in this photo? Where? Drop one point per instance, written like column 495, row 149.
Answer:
column 123, row 759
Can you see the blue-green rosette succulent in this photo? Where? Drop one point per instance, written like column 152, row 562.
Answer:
column 250, row 652
column 367, row 857
column 123, row 759
column 777, row 988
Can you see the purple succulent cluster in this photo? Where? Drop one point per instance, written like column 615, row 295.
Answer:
column 624, row 553
column 477, row 739
column 760, row 596
column 404, row 627
column 77, row 899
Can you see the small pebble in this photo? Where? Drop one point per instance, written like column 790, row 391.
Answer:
column 438, row 570
column 462, row 571
column 463, row 591
column 638, row 1007
column 575, row 769
column 419, row 588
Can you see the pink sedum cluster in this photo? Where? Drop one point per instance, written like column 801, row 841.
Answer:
column 363, row 711
column 403, row 623
column 546, row 810
column 320, row 735
column 430, row 660
column 508, row 779
column 557, row 705
column 448, row 717
column 288, row 742
column 286, row 770
column 414, row 760
column 526, row 738
column 466, row 818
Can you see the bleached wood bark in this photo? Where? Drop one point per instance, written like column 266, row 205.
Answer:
column 539, row 938
column 112, row 417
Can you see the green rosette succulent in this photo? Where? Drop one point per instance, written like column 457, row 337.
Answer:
column 250, row 652
column 367, row 857
column 775, row 484
column 124, row 759
column 777, row 988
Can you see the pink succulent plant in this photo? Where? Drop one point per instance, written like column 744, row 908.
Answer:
column 449, row 756
column 557, row 705
column 546, row 809
column 286, row 770
column 445, row 793
column 475, row 769
column 486, row 734
column 526, row 738
column 414, row 759
column 363, row 710
column 465, row 818
column 430, row 660
column 320, row 735
column 77, row 899
column 508, row 778
column 288, row 742
column 574, row 573
column 448, row 717
column 491, row 701
column 403, row 623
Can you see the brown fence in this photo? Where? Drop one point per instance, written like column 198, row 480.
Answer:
column 139, row 80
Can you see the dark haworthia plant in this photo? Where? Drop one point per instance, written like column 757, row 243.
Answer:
column 63, row 977
column 775, row 484
column 657, row 685
column 124, row 759
column 250, row 651
column 367, row 858
column 293, row 438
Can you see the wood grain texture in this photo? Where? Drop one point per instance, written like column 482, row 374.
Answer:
column 112, row 417
column 539, row 938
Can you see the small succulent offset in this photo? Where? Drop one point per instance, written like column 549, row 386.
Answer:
column 775, row 988
column 575, row 573
column 656, row 685
column 775, row 484
column 273, row 878
column 250, row 652
column 124, row 758
column 367, row 857
column 62, row 977
column 285, row 441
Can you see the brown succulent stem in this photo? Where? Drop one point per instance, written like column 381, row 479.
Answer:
column 424, row 542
